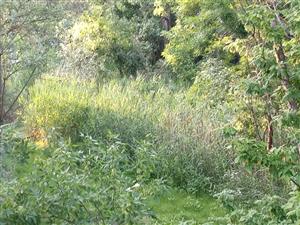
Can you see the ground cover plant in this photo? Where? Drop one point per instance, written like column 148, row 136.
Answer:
column 149, row 112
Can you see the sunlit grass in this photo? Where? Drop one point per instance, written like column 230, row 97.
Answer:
column 177, row 207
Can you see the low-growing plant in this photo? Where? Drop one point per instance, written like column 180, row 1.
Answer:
column 75, row 184
column 268, row 210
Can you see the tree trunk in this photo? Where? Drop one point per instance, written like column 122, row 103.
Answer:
column 1, row 90
column 166, row 24
column 280, row 54
column 270, row 133
column 281, row 61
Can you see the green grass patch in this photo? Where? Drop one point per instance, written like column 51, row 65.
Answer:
column 178, row 207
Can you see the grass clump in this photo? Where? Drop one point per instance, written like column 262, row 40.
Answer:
column 182, row 135
column 185, row 138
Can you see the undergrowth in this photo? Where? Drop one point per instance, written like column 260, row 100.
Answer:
column 188, row 139
column 89, row 153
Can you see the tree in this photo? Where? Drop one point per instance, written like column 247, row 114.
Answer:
column 258, row 44
column 117, row 37
column 27, row 46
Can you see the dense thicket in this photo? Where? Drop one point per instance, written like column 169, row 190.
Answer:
column 201, row 95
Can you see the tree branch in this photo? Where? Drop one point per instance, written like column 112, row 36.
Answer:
column 20, row 92
column 294, row 182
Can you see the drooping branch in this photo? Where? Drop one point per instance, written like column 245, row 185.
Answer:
column 295, row 183
column 20, row 92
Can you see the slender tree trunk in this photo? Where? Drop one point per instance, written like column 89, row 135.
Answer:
column 166, row 24
column 1, row 89
column 280, row 54
column 270, row 133
column 281, row 61
column 270, row 129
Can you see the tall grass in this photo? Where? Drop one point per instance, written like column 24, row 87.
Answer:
column 187, row 138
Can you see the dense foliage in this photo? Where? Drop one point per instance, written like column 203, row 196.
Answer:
column 113, row 102
column 74, row 185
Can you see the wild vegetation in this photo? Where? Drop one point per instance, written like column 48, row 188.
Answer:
column 149, row 112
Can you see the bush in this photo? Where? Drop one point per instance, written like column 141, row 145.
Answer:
column 268, row 210
column 83, row 184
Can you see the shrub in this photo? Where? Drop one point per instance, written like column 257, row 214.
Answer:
column 83, row 184
column 268, row 210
